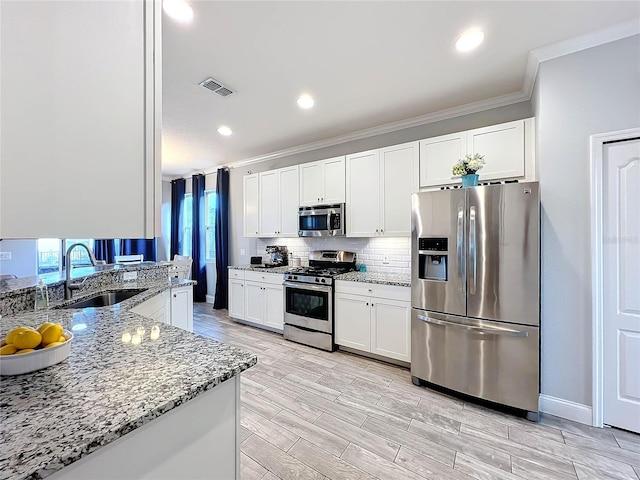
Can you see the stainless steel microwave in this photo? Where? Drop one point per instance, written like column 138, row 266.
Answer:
column 321, row 221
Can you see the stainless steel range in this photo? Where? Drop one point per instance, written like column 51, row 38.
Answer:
column 308, row 298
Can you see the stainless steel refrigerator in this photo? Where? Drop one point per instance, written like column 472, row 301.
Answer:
column 475, row 292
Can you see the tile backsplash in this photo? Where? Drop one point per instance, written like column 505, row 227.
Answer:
column 370, row 251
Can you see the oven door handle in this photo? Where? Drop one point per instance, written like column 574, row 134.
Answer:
column 307, row 286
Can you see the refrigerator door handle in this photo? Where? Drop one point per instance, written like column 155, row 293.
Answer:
column 481, row 330
column 459, row 244
column 472, row 250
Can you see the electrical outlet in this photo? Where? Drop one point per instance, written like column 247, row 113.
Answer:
column 5, row 255
column 243, row 252
column 129, row 276
column 385, row 259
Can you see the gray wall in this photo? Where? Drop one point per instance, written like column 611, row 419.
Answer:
column 24, row 257
column 489, row 117
column 578, row 95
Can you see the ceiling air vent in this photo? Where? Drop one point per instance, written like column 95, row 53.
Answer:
column 216, row 87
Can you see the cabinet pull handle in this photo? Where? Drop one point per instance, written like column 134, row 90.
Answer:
column 372, row 304
column 367, row 304
column 381, row 231
column 376, row 230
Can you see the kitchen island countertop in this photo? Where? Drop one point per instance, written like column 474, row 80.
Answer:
column 106, row 388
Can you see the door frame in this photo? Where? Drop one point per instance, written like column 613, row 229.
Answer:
column 597, row 176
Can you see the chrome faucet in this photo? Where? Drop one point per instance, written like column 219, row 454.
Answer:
column 68, row 286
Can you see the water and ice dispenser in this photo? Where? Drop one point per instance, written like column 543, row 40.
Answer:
column 432, row 258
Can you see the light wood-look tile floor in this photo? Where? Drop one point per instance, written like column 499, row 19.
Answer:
column 310, row 414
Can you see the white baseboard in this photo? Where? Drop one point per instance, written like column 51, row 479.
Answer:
column 566, row 409
column 209, row 298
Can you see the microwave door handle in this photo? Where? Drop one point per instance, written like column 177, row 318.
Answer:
column 473, row 250
column 459, row 245
column 307, row 286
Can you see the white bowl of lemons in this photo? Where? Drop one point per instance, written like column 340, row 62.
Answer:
column 26, row 349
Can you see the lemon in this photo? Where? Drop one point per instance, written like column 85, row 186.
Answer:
column 51, row 334
column 53, row 344
column 9, row 349
column 44, row 326
column 26, row 350
column 27, row 339
column 62, row 339
column 11, row 335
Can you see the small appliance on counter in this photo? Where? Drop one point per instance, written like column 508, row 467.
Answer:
column 279, row 256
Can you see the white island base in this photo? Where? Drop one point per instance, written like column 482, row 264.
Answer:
column 196, row 440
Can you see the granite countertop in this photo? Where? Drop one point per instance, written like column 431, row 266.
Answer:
column 258, row 268
column 401, row 280
column 106, row 388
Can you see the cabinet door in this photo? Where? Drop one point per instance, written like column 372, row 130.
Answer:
column 250, row 199
column 334, row 181
column 269, row 205
column 353, row 321
column 182, row 308
column 273, row 306
column 363, row 194
column 289, row 199
column 391, row 329
column 503, row 148
column 254, row 302
column 437, row 156
column 397, row 165
column 311, row 188
column 236, row 298
column 98, row 110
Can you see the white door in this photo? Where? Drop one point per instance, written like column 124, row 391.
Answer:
column 254, row 302
column 236, row 298
column 250, row 206
column 310, row 183
column 391, row 329
column 621, row 284
column 353, row 321
column 180, row 308
column 334, row 181
column 269, row 206
column 503, row 148
column 437, row 156
column 289, row 202
column 274, row 306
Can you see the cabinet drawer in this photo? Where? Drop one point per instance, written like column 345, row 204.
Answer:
column 236, row 274
column 272, row 278
column 374, row 290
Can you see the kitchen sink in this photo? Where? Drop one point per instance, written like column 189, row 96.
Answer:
column 105, row 299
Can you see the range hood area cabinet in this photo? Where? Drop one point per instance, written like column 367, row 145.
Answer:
column 278, row 200
column 508, row 149
column 379, row 184
column 81, row 119
column 322, row 182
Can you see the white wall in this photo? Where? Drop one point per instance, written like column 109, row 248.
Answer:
column 24, row 257
column 164, row 242
column 589, row 92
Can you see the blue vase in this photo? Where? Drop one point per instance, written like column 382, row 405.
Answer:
column 470, row 180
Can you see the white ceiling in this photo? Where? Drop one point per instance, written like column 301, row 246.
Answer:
column 366, row 63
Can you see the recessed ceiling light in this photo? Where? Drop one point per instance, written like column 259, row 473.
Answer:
column 469, row 40
column 179, row 10
column 305, row 101
column 224, row 130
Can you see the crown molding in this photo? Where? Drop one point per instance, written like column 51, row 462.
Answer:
column 573, row 45
column 474, row 107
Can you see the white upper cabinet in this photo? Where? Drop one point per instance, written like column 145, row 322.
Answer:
column 363, row 194
column 81, row 114
column 322, row 182
column 437, row 156
column 508, row 149
column 250, row 205
column 398, row 177
column 278, row 205
column 379, row 187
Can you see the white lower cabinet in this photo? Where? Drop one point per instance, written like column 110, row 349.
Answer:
column 374, row 318
column 173, row 307
column 182, row 307
column 257, row 298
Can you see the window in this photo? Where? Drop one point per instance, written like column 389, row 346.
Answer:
column 49, row 255
column 211, row 199
column 79, row 256
column 187, row 224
